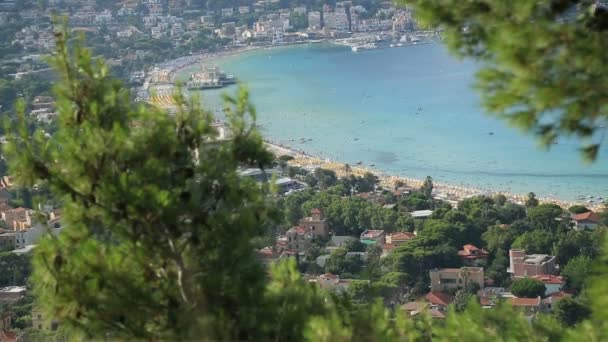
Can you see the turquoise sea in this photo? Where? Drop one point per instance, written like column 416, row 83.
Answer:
column 364, row 107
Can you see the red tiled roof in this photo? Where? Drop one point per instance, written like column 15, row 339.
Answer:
column 524, row 301
column 315, row 211
column 588, row 216
column 549, row 279
column 438, row 298
column 402, row 236
column 266, row 252
column 413, row 306
column 300, row 230
column 469, row 247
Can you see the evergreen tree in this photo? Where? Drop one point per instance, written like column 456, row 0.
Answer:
column 158, row 224
column 528, row 288
column 427, row 188
column 531, row 200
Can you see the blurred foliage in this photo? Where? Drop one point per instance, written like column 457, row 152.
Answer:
column 543, row 66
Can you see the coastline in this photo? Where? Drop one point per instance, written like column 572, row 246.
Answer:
column 448, row 192
column 302, row 159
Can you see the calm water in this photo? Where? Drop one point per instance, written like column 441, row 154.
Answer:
column 363, row 107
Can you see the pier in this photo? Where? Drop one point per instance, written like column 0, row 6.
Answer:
column 210, row 78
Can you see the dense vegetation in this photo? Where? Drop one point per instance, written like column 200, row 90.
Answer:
column 136, row 232
column 159, row 227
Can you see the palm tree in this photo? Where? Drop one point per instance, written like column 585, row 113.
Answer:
column 464, row 274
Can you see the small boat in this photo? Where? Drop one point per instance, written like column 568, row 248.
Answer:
column 490, row 133
column 419, row 108
column 359, row 163
column 372, row 165
column 354, row 48
column 356, row 139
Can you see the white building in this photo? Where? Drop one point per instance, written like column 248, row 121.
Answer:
column 277, row 37
column 125, row 11
column 299, row 10
column 421, row 214
column 157, row 32
column 103, row 17
column 314, row 20
column 337, row 20
column 32, row 235
column 227, row 12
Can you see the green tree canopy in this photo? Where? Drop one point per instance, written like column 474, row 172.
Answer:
column 536, row 241
column 571, row 311
column 578, row 209
column 531, row 200
column 545, row 216
column 16, row 269
column 354, row 245
column 528, row 288
column 577, row 271
column 427, row 188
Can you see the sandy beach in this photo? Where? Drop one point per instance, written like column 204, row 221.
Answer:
column 443, row 191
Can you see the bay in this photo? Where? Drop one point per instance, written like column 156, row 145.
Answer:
column 410, row 111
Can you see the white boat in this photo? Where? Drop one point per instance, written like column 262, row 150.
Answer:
column 354, row 48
